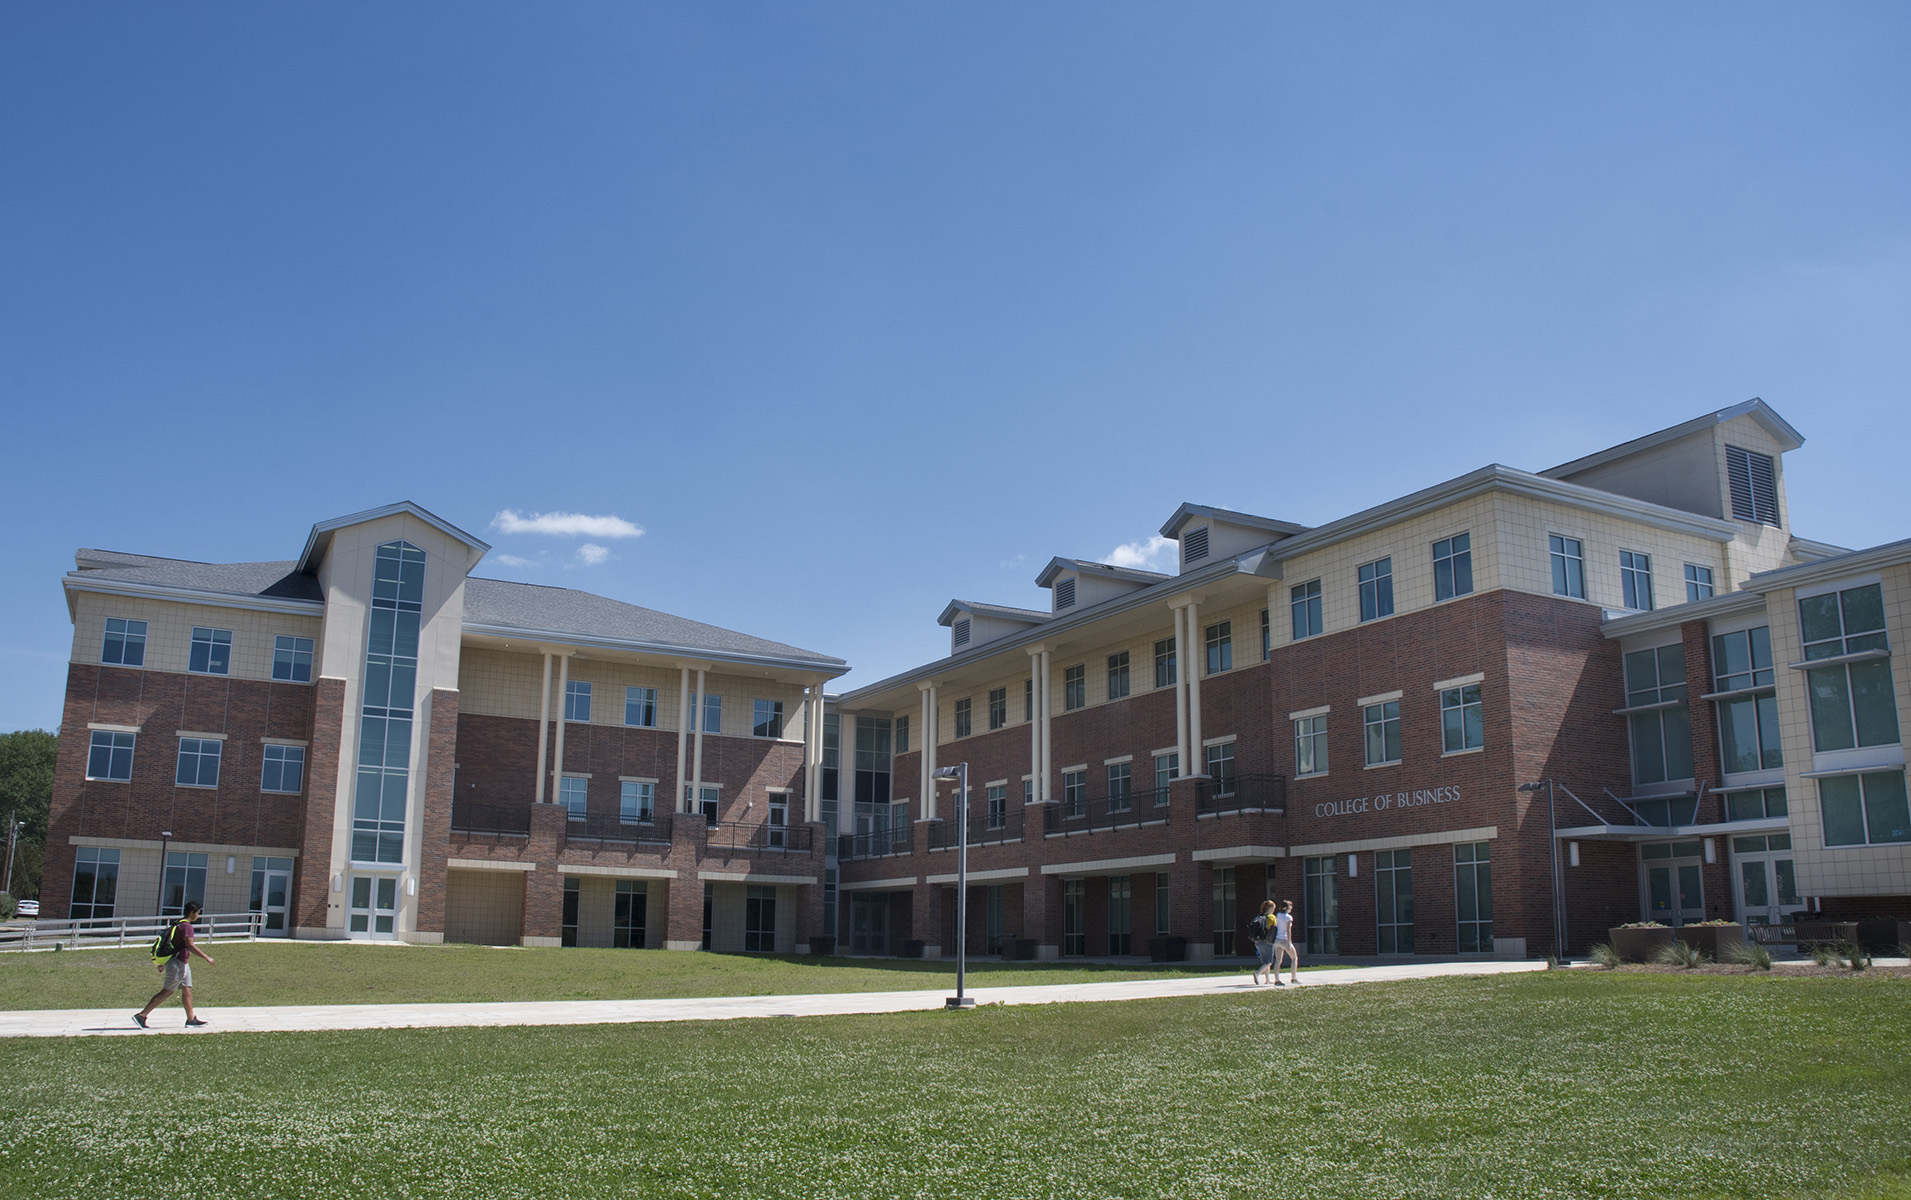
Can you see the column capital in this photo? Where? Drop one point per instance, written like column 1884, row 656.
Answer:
column 928, row 685
column 1038, row 649
column 1185, row 601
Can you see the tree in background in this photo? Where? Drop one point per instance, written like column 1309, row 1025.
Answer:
column 26, row 790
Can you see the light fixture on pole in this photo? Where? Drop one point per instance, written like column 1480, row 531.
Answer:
column 1552, row 838
column 960, row 773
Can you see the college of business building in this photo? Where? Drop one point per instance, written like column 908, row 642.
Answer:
column 1506, row 710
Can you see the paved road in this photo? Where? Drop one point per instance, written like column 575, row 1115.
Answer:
column 306, row 1018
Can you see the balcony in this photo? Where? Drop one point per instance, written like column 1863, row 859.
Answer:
column 982, row 831
column 1127, row 811
column 879, row 843
column 737, row 837
column 475, row 817
column 610, row 829
column 1241, row 793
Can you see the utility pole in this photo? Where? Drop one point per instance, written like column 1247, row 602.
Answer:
column 13, row 840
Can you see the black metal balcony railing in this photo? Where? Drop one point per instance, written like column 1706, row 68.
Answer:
column 612, row 827
column 497, row 820
column 1105, row 812
column 734, row 835
column 1004, row 826
column 1239, row 792
column 875, row 844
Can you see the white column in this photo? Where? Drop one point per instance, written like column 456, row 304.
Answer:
column 544, row 729
column 813, row 755
column 563, row 693
column 1181, row 691
column 1042, row 790
column 1035, row 724
column 696, row 770
column 926, row 745
column 683, row 735
column 1200, row 646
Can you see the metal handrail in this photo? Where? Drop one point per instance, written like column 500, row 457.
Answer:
column 735, row 835
column 877, row 843
column 127, row 931
column 1107, row 812
column 1243, row 792
column 942, row 834
column 478, row 816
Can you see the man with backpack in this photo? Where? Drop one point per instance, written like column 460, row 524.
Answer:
column 1262, row 930
column 177, row 968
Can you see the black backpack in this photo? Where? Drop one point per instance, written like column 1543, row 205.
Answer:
column 1260, row 929
column 163, row 947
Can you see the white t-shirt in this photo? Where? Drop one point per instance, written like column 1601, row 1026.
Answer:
column 1283, row 927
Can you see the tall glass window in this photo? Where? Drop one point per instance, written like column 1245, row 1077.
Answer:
column 637, row 801
column 282, row 769
column 640, row 706
column 1167, row 767
column 211, row 652
column 1453, row 566
column 1120, row 928
column 1852, row 703
column 1074, row 793
column 110, row 756
column 1376, row 589
column 292, row 659
column 577, row 700
column 1075, row 687
column 1662, row 735
column 125, row 643
column 1461, row 726
column 628, row 918
column 1221, row 768
column 1220, row 643
column 1868, row 809
column 963, row 719
column 1393, row 894
column 1473, row 882
column 1635, row 579
column 998, row 707
column 1162, row 905
column 1119, row 786
column 767, row 720
column 1382, row 724
column 872, row 762
column 1569, row 565
column 198, row 762
column 1118, row 675
column 1225, row 909
column 1320, row 904
column 1310, row 745
column 574, row 794
column 95, row 883
column 385, row 714
column 185, row 881
column 1698, row 582
column 1304, row 604
column 1074, row 916
column 1164, row 663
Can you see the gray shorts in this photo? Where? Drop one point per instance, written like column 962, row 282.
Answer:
column 1264, row 951
column 178, row 974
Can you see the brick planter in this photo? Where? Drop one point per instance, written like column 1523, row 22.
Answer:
column 1712, row 939
column 1639, row 945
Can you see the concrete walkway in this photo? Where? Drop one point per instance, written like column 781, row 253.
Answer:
column 316, row 1017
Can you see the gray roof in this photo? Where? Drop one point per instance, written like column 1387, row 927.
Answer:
column 278, row 580
column 1079, row 565
column 992, row 610
column 531, row 606
column 1758, row 410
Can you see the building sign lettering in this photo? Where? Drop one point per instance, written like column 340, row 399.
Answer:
column 1385, row 801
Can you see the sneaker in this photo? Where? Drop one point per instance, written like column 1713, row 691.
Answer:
column 194, row 1021
column 1278, row 983
column 139, row 1019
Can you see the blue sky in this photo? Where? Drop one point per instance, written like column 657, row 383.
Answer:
column 853, row 308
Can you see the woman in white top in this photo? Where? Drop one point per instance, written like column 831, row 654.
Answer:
column 1284, row 945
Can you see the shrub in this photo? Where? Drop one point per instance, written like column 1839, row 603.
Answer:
column 1603, row 955
column 1680, row 954
column 1748, row 954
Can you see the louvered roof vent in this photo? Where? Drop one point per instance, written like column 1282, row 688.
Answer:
column 1064, row 594
column 1754, row 483
column 1194, row 545
column 961, row 633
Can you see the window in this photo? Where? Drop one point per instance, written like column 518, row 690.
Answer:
column 902, row 734
column 637, row 801
column 709, row 804
column 1167, row 767
column 1064, row 594
column 1164, row 663
column 1865, row 810
column 1118, row 675
column 1221, row 768
column 1074, row 917
column 1382, row 723
column 95, row 883
column 1852, row 703
column 640, row 706
column 574, row 794
column 998, row 798
column 1661, row 737
column 759, row 918
column 198, row 762
column 1028, row 699
column 768, row 721
column 1460, row 725
column 1310, row 745
column 1267, row 638
column 1569, row 566
column 1119, row 792
column 1075, row 687
column 1225, row 912
column 776, row 828
column 577, row 700
column 963, row 723
column 1376, row 590
column 1698, row 582
column 292, row 659
column 1194, row 545
column 1473, row 882
column 1635, row 579
column 713, row 714
column 1120, row 900
column 1757, row 804
column 998, row 707
column 125, row 643
column 1453, row 566
column 567, row 934
column 1742, row 660
column 211, row 651
column 1303, row 603
column 110, row 757
column 1074, row 793
column 1161, row 903
column 629, row 916
column 1028, row 791
column 1220, row 639
column 1748, row 734
column 1753, row 480
column 994, row 927
column 1393, row 895
column 184, row 881
column 283, row 770
column 1320, row 904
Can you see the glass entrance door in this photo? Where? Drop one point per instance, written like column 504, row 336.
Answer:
column 868, row 923
column 1763, row 877
column 271, row 895
column 1674, row 893
column 374, row 911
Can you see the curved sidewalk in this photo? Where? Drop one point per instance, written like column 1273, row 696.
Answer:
column 310, row 1018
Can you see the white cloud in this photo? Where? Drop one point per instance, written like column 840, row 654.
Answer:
column 563, row 524
column 512, row 560
column 1011, row 564
column 1139, row 555
column 590, row 554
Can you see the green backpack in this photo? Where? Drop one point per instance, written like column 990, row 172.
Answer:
column 163, row 947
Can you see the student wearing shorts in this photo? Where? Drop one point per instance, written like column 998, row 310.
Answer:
column 1262, row 929
column 1283, row 947
column 176, row 974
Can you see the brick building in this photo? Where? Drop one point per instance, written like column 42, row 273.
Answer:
column 1386, row 717
column 368, row 742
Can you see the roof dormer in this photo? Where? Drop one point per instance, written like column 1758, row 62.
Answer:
column 972, row 623
column 1076, row 583
column 1208, row 534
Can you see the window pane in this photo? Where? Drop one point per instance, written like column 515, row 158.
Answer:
column 1886, row 815
column 1830, row 709
column 1838, row 802
column 1873, row 703
column 1648, row 748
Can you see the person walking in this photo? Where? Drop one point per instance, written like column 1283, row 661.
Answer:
column 176, row 974
column 1262, row 929
column 1284, row 946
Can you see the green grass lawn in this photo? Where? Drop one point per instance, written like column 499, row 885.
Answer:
column 249, row 973
column 1561, row 1084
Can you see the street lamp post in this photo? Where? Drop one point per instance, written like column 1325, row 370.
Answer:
column 13, row 842
column 165, row 839
column 1552, row 838
column 960, row 773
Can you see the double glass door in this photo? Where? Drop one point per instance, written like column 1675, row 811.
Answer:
column 868, row 923
column 374, row 911
column 1674, row 892
column 1762, row 873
